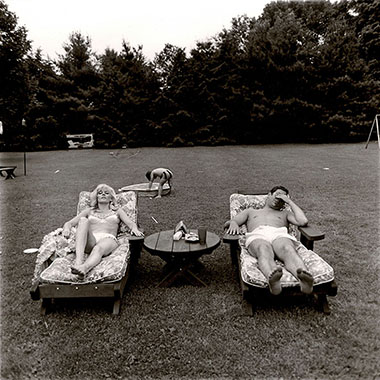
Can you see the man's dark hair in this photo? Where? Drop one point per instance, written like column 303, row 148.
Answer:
column 147, row 175
column 279, row 188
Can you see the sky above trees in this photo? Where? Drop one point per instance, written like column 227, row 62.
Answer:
column 149, row 23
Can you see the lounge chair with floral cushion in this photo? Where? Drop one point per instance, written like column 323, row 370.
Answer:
column 52, row 275
column 254, row 285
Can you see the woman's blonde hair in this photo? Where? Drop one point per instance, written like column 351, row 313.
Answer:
column 94, row 195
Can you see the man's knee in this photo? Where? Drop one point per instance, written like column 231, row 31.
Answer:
column 284, row 249
column 289, row 248
column 260, row 248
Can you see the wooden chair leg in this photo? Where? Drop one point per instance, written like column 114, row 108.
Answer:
column 247, row 299
column 322, row 303
column 45, row 304
column 234, row 254
column 247, row 307
column 116, row 306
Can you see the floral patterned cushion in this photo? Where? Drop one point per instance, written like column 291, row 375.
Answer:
column 250, row 272
column 111, row 268
column 61, row 251
column 321, row 271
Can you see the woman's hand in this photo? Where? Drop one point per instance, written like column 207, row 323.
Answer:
column 135, row 231
column 66, row 232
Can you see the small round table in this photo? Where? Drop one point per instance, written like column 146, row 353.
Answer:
column 179, row 255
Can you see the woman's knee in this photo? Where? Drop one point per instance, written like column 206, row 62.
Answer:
column 104, row 248
column 83, row 221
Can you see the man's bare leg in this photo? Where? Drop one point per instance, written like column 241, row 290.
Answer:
column 285, row 251
column 306, row 281
column 263, row 251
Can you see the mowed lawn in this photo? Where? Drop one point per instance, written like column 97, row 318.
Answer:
column 187, row 332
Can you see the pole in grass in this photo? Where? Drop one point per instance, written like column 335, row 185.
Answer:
column 375, row 121
column 23, row 123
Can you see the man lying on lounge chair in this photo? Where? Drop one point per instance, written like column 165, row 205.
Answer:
column 268, row 238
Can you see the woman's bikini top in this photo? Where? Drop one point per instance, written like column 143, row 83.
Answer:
column 110, row 218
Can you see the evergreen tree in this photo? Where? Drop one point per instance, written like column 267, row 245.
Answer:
column 126, row 95
column 78, row 80
column 14, row 78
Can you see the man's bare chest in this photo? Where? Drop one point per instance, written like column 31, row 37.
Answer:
column 268, row 217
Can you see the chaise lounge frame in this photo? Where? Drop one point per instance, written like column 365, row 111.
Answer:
column 251, row 295
column 47, row 292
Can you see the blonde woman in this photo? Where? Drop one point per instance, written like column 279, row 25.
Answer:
column 97, row 229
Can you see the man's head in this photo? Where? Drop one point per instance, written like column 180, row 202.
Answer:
column 284, row 189
column 147, row 174
column 273, row 201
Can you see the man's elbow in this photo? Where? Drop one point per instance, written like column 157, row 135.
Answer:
column 303, row 222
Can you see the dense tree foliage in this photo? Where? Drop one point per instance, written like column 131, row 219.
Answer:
column 14, row 74
column 301, row 72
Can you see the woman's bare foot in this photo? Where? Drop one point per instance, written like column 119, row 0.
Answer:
column 78, row 271
column 306, row 281
column 274, row 281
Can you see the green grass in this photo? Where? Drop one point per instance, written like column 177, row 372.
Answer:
column 184, row 331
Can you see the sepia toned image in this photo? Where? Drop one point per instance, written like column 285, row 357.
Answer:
column 189, row 190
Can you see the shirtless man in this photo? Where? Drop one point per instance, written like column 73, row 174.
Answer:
column 97, row 229
column 268, row 237
column 164, row 176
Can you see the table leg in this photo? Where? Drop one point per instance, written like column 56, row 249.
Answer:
column 193, row 279
column 181, row 269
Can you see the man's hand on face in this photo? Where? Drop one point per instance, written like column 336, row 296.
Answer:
column 283, row 197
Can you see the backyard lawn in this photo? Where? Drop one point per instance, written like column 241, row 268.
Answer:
column 188, row 332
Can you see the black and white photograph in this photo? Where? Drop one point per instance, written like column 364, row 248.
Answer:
column 189, row 190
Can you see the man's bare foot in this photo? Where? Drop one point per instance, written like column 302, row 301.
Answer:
column 158, row 196
column 78, row 271
column 274, row 281
column 306, row 281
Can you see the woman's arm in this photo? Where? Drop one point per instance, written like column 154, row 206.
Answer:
column 130, row 224
column 73, row 222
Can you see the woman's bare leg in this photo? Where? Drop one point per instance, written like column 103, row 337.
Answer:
column 81, row 241
column 104, row 247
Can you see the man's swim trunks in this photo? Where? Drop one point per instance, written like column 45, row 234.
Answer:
column 267, row 233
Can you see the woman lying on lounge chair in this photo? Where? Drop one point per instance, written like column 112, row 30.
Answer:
column 97, row 229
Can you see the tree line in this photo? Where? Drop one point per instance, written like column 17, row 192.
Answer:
column 301, row 72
